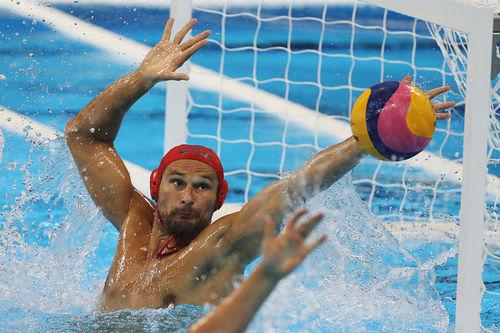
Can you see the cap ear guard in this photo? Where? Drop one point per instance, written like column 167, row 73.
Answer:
column 154, row 184
column 221, row 195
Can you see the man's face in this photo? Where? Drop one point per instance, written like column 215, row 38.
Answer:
column 188, row 191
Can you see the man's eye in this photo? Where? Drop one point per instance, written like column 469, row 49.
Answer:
column 203, row 186
column 176, row 182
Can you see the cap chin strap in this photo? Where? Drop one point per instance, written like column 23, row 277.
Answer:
column 171, row 244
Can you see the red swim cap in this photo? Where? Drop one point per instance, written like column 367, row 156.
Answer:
column 190, row 152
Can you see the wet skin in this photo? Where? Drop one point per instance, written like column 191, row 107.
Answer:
column 194, row 274
column 211, row 256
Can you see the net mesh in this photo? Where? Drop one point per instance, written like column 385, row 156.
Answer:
column 322, row 58
column 453, row 45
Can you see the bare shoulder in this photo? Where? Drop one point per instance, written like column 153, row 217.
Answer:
column 215, row 233
column 141, row 206
column 225, row 235
column 211, row 242
column 134, row 237
column 138, row 222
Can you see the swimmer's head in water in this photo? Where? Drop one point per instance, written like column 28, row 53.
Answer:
column 193, row 153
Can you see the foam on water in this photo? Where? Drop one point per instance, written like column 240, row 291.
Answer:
column 47, row 236
column 1, row 146
column 143, row 320
column 358, row 281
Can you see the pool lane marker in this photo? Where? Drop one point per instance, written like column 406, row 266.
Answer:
column 205, row 3
column 130, row 52
column 36, row 132
column 24, row 126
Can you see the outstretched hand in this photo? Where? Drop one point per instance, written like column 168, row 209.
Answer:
column 283, row 253
column 167, row 56
column 437, row 106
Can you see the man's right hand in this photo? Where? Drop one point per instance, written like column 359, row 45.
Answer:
column 167, row 56
column 283, row 253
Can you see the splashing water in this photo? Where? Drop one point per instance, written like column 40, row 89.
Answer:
column 47, row 236
column 358, row 281
column 51, row 275
column 1, row 146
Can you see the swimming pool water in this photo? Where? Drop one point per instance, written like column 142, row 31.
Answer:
column 51, row 78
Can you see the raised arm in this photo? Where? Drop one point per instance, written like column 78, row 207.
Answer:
column 246, row 230
column 324, row 169
column 91, row 133
column 282, row 255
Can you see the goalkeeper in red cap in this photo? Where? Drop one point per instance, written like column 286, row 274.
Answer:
column 169, row 251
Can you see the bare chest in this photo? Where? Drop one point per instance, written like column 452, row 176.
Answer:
column 172, row 280
column 198, row 283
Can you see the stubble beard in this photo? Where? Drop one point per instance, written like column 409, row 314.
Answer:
column 184, row 221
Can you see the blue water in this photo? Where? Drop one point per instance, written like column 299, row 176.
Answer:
column 50, row 78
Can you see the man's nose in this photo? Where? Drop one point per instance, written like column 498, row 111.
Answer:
column 187, row 196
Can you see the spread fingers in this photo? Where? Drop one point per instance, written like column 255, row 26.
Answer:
column 443, row 105
column 293, row 220
column 407, row 79
column 186, row 54
column 305, row 228
column 167, row 30
column 179, row 36
column 310, row 247
column 436, row 91
column 269, row 229
column 187, row 44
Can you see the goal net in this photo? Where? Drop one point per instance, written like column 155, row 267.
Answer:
column 284, row 78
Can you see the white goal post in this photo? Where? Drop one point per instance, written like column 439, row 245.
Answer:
column 477, row 22
column 471, row 18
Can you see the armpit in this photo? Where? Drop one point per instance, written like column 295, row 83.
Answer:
column 169, row 299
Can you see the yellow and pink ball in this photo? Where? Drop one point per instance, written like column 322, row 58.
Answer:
column 393, row 121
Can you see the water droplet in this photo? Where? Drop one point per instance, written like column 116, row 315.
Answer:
column 2, row 77
column 92, row 130
column 12, row 165
column 1, row 146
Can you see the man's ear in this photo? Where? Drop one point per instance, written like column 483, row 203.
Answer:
column 154, row 184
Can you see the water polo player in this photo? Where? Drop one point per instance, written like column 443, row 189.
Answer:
column 168, row 251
